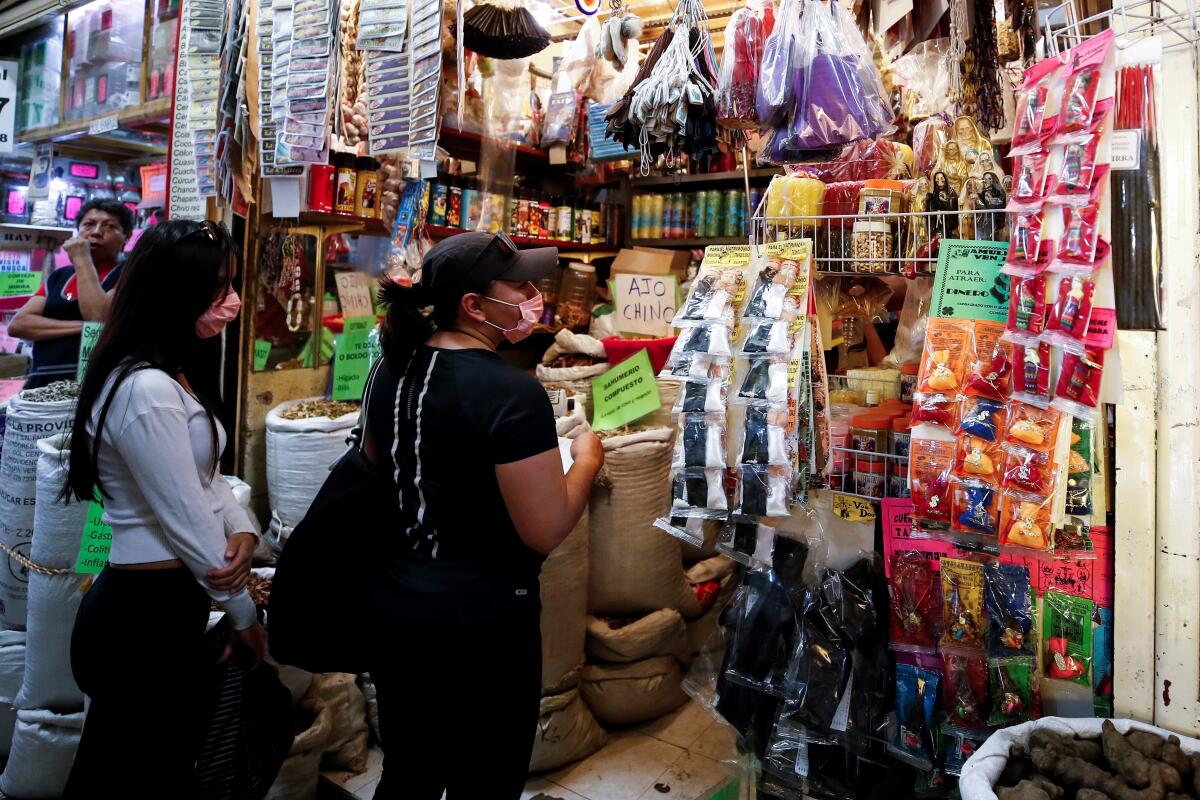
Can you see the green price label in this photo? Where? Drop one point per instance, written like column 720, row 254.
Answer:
column 18, row 284
column 625, row 393
column 969, row 283
column 352, row 358
column 87, row 342
column 262, row 351
column 96, row 542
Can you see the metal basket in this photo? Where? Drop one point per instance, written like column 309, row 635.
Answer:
column 879, row 244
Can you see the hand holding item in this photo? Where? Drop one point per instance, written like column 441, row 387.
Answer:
column 588, row 448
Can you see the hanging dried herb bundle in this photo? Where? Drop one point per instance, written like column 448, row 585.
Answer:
column 983, row 97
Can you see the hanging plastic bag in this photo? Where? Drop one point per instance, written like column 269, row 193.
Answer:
column 839, row 95
column 745, row 36
column 775, row 96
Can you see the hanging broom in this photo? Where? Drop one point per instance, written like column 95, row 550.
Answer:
column 503, row 29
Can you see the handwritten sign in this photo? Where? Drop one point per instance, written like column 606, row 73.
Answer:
column 625, row 393
column 87, row 343
column 354, row 295
column 262, row 352
column 853, row 509
column 96, row 542
column 352, row 359
column 1102, row 329
column 19, row 284
column 969, row 283
column 645, row 303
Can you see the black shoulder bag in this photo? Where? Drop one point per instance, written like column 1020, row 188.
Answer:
column 318, row 615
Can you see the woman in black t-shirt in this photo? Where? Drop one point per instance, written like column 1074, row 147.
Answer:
column 469, row 443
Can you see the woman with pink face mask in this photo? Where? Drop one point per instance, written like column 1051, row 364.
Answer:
column 468, row 443
column 150, row 446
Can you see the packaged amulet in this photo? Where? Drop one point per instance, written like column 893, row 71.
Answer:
column 962, row 603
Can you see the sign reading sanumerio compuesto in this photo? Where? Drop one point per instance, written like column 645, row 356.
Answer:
column 352, row 358
column 625, row 393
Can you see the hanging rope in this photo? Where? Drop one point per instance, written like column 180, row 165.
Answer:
column 31, row 565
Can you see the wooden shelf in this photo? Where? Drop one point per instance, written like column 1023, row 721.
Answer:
column 153, row 116
column 369, row 227
column 700, row 178
column 691, row 243
column 438, row 232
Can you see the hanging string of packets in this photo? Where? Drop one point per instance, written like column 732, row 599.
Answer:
column 749, row 443
column 671, row 106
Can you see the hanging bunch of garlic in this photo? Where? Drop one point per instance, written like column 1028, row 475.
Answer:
column 351, row 76
column 391, row 180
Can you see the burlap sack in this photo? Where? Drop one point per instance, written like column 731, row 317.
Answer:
column 634, row 567
column 577, row 380
column 564, row 611
column 346, row 747
column 700, row 630
column 660, row 633
column 301, row 771
column 566, row 732
column 619, row 694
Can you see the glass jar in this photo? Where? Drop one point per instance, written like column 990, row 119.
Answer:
column 908, row 381
column 869, row 477
column 882, row 198
column 576, row 295
column 871, row 433
column 548, row 286
column 871, row 244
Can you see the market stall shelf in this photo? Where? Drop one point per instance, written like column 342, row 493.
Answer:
column 438, row 232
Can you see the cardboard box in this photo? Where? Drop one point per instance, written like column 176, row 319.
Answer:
column 651, row 261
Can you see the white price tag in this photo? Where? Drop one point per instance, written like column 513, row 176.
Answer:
column 1126, row 149
column 103, row 125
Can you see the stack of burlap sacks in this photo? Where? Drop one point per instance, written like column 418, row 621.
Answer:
column 617, row 652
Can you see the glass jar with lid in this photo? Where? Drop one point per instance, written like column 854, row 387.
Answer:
column 576, row 295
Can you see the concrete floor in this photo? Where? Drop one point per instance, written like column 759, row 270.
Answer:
column 680, row 756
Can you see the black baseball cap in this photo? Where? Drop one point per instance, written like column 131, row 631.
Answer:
column 467, row 262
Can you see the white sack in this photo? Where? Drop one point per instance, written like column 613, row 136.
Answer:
column 43, row 749
column 53, row 599
column 299, row 455
column 26, row 423
column 983, row 769
column 12, row 669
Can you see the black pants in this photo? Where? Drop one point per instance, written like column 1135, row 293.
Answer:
column 138, row 653
column 458, row 709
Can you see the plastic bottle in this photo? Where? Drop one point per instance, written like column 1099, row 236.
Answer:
column 439, row 198
column 470, row 205
column 454, row 204
column 564, row 230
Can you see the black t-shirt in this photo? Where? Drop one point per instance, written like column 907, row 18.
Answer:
column 58, row 359
column 458, row 415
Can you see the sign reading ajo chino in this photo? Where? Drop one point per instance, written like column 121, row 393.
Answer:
column 625, row 393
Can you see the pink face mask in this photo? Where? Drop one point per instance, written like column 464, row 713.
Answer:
column 218, row 315
column 531, row 312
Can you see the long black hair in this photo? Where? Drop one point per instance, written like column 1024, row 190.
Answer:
column 410, row 321
column 176, row 271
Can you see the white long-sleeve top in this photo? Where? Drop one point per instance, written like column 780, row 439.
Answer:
column 163, row 504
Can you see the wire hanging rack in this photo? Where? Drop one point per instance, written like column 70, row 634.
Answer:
column 1132, row 19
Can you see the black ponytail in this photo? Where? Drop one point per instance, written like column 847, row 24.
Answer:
column 405, row 327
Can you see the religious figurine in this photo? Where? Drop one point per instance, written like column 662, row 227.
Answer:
column 970, row 139
column 943, row 198
column 954, row 165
